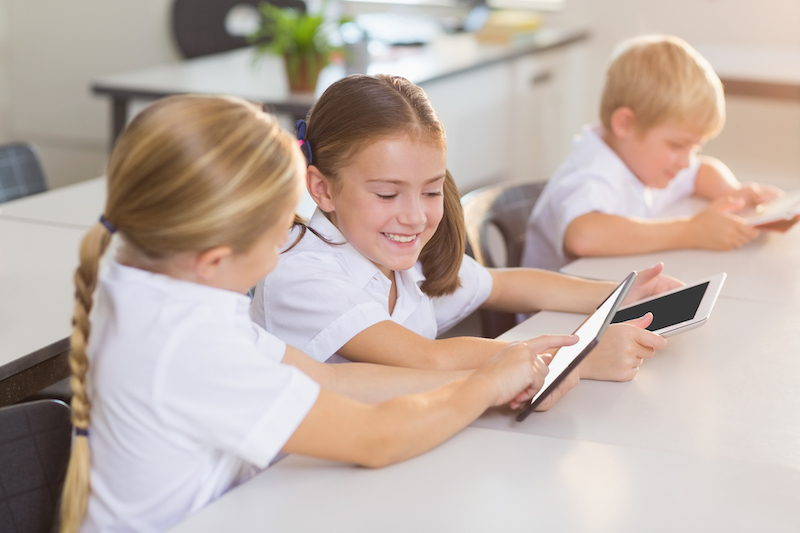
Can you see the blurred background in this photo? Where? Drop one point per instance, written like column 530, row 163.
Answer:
column 50, row 52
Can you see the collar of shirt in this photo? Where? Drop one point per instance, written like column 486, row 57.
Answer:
column 606, row 160
column 364, row 270
column 223, row 300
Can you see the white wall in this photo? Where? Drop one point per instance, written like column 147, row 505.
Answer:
column 761, row 137
column 49, row 53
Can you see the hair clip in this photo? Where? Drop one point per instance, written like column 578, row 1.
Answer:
column 107, row 223
column 80, row 432
column 305, row 146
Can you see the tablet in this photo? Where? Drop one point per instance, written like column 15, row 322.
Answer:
column 780, row 212
column 589, row 333
column 677, row 310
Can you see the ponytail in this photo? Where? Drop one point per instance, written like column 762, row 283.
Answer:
column 75, row 495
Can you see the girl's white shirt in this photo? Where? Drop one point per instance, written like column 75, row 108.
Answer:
column 593, row 179
column 189, row 398
column 321, row 295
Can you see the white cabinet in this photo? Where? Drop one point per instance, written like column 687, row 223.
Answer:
column 511, row 120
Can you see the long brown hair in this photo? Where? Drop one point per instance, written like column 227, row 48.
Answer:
column 359, row 110
column 190, row 173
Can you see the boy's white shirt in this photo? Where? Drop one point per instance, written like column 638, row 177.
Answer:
column 188, row 398
column 321, row 295
column 593, row 179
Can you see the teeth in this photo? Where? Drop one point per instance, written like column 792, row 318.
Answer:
column 399, row 238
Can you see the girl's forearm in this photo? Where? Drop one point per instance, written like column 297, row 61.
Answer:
column 526, row 290
column 341, row 429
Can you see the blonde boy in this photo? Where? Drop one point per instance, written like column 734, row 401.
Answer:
column 661, row 102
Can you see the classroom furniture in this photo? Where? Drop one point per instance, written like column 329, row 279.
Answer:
column 199, row 26
column 510, row 110
column 21, row 172
column 34, row 453
column 496, row 218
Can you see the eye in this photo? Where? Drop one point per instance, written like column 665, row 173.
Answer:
column 433, row 194
column 386, row 196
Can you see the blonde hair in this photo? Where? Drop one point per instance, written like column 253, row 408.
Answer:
column 359, row 110
column 663, row 79
column 189, row 174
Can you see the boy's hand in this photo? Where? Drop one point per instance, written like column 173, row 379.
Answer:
column 717, row 228
column 757, row 193
column 649, row 282
column 621, row 351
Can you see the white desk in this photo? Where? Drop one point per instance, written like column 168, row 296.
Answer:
column 37, row 263
column 78, row 205
column 483, row 480
column 765, row 270
column 728, row 389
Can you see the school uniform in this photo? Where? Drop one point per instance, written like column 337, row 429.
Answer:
column 188, row 399
column 321, row 295
column 593, row 179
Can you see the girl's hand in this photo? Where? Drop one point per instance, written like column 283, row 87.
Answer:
column 622, row 350
column 517, row 372
column 650, row 282
column 561, row 389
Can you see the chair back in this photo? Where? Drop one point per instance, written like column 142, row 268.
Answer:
column 496, row 220
column 20, row 172
column 202, row 27
column 35, row 441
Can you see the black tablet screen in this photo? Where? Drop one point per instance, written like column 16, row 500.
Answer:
column 668, row 310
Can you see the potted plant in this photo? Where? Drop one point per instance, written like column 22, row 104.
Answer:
column 300, row 38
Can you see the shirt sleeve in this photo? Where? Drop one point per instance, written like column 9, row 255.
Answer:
column 316, row 306
column 217, row 387
column 591, row 195
column 476, row 286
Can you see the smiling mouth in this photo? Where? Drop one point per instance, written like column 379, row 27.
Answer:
column 399, row 238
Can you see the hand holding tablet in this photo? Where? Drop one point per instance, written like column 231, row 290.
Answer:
column 776, row 215
column 677, row 310
column 589, row 333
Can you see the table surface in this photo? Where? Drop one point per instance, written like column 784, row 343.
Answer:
column 37, row 263
column 483, row 480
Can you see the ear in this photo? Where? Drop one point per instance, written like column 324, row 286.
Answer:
column 623, row 122
column 320, row 189
column 208, row 264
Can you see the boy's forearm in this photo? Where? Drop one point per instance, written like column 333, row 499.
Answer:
column 598, row 234
column 714, row 179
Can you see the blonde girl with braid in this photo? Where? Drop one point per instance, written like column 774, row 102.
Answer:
column 380, row 269
column 178, row 395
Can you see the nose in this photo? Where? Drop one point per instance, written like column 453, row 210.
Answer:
column 413, row 213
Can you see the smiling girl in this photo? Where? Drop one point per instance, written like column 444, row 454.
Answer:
column 380, row 269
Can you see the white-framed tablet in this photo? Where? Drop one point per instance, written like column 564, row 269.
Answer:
column 677, row 310
column 589, row 333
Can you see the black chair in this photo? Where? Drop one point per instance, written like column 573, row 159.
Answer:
column 35, row 441
column 20, row 172
column 199, row 25
column 496, row 218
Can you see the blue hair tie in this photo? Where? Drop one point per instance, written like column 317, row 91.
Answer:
column 107, row 223
column 305, row 146
column 80, row 432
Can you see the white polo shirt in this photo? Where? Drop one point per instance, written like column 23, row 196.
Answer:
column 188, row 399
column 321, row 295
column 593, row 178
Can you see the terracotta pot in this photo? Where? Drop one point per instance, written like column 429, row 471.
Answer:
column 303, row 71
